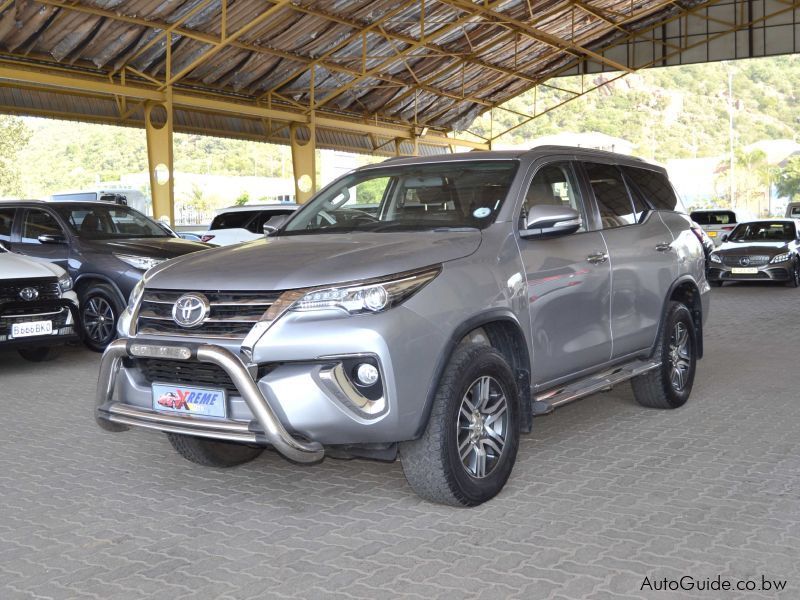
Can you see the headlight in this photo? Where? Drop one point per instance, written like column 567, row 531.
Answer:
column 136, row 295
column 139, row 262
column 715, row 258
column 65, row 283
column 780, row 257
column 368, row 297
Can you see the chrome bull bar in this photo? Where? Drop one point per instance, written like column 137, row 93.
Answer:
column 116, row 416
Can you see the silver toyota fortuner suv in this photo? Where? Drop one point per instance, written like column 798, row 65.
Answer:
column 426, row 308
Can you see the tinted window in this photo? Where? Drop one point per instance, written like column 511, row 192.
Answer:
column 6, row 221
column 766, row 231
column 715, row 217
column 795, row 211
column 233, row 220
column 655, row 188
column 616, row 209
column 39, row 222
column 265, row 216
column 553, row 185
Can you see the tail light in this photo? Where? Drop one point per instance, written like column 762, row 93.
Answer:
column 728, row 228
column 206, row 237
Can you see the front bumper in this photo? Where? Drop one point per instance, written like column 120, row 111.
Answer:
column 63, row 313
column 264, row 428
column 768, row 272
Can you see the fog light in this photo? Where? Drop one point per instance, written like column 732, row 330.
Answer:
column 367, row 374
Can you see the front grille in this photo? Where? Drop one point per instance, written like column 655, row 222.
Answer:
column 732, row 260
column 232, row 314
column 47, row 287
column 188, row 373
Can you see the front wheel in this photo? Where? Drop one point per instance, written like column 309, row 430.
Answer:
column 99, row 313
column 794, row 275
column 670, row 384
column 469, row 446
column 212, row 453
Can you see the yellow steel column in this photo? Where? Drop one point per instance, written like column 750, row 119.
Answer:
column 158, row 123
column 304, row 162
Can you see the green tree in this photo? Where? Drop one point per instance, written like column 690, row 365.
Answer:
column 243, row 199
column 787, row 181
column 14, row 135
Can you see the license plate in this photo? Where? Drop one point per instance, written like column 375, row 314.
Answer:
column 744, row 270
column 711, row 233
column 203, row 402
column 31, row 328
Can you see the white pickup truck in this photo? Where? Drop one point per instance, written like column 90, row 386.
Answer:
column 38, row 308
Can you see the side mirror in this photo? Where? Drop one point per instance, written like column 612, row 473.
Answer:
column 547, row 220
column 52, row 238
column 724, row 237
column 275, row 223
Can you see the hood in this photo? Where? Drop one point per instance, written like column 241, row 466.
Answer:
column 290, row 262
column 14, row 266
column 166, row 247
column 750, row 248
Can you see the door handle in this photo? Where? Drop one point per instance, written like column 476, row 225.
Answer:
column 663, row 247
column 597, row 259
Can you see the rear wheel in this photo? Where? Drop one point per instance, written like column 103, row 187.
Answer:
column 100, row 310
column 670, row 384
column 469, row 446
column 40, row 353
column 213, row 453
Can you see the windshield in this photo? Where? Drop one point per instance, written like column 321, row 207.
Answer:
column 768, row 231
column 409, row 198
column 719, row 217
column 102, row 222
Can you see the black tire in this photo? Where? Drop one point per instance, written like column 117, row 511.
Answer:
column 99, row 312
column 40, row 353
column 794, row 276
column 212, row 453
column 433, row 464
column 716, row 283
column 658, row 388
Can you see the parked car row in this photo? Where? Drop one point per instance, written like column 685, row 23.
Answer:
column 104, row 247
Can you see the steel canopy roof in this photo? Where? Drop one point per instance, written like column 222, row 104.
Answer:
column 375, row 76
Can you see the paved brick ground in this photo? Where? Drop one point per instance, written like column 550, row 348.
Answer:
column 604, row 493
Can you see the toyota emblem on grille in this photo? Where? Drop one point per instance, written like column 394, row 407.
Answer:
column 190, row 310
column 29, row 293
column 744, row 261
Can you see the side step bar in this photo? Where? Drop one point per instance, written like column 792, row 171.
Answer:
column 547, row 402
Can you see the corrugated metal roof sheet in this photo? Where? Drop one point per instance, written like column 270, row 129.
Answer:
column 436, row 64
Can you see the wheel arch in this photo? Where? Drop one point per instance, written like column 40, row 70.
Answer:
column 505, row 334
column 85, row 280
column 685, row 290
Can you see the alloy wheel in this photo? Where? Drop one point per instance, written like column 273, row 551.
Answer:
column 680, row 353
column 98, row 319
column 482, row 427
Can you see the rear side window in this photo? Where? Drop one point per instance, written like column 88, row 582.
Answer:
column 794, row 211
column 611, row 193
column 233, row 220
column 655, row 188
column 6, row 221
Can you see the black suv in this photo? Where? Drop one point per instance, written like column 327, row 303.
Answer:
column 105, row 247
